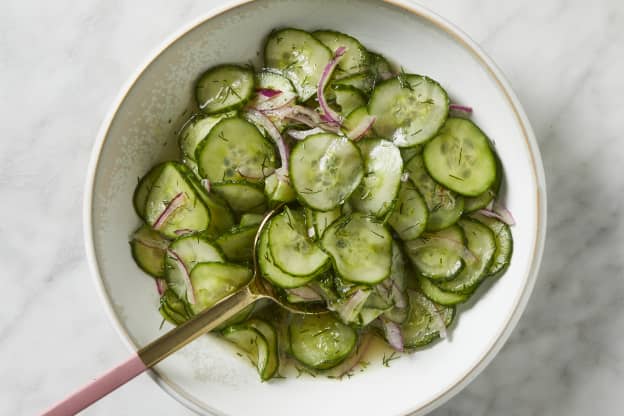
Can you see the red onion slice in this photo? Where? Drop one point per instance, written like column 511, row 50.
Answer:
column 499, row 212
column 174, row 204
column 262, row 120
column 302, row 134
column 268, row 92
column 362, row 128
column 349, row 310
column 461, row 108
column 161, row 286
column 183, row 231
column 330, row 115
column 393, row 334
column 190, row 293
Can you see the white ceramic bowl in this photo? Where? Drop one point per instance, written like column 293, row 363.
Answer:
column 139, row 132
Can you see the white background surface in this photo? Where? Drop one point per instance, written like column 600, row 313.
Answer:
column 62, row 64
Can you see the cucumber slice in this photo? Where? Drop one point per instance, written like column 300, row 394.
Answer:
column 299, row 56
column 481, row 242
column 173, row 309
column 221, row 217
column 363, row 82
column 445, row 207
column 321, row 220
column 250, row 219
column 320, row 341
column 144, row 187
column 325, row 169
column 196, row 130
column 348, row 98
column 269, row 79
column 460, row 158
column 407, row 153
column 409, row 215
column 421, row 328
column 234, row 150
column 223, row 88
column 278, row 190
column 380, row 67
column 439, row 255
column 291, row 249
column 439, row 296
column 214, row 280
column 271, row 272
column 242, row 196
column 504, row 243
column 253, row 343
column 360, row 247
column 410, row 109
column 190, row 214
column 148, row 251
column 474, row 203
column 354, row 119
column 183, row 254
column 237, row 244
column 380, row 186
column 270, row 335
column 355, row 58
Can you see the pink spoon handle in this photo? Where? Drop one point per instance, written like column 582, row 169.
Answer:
column 98, row 388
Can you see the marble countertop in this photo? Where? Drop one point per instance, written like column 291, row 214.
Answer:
column 63, row 62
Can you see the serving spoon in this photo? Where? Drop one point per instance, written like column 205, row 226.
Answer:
column 162, row 347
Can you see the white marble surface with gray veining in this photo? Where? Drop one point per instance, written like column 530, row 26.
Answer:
column 63, row 62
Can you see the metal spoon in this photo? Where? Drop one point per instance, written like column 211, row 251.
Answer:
column 178, row 337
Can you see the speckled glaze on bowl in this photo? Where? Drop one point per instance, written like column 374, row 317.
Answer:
column 140, row 131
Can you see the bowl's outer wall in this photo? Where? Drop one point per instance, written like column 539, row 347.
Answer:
column 206, row 374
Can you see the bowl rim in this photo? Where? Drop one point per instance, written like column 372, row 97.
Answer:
column 493, row 71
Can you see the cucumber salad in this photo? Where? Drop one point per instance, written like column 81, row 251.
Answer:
column 389, row 211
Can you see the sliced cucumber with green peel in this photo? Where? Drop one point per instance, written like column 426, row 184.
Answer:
column 383, row 169
column 215, row 280
column 280, row 90
column 254, row 344
column 235, row 150
column 196, row 130
column 481, row 243
column 224, row 88
column 320, row 341
column 278, row 189
column 445, row 207
column 250, row 219
column 407, row 153
column 380, row 67
column 348, row 98
column 270, row 271
column 354, row 119
column 421, row 326
column 325, row 169
column 321, row 220
column 172, row 204
column 410, row 109
column 237, row 243
column 360, row 247
column 299, row 56
column 504, row 243
column 270, row 335
column 183, row 254
column 439, row 255
column 291, row 248
column 148, row 251
column 144, row 187
column 439, row 296
column 409, row 214
column 355, row 58
column 364, row 82
column 475, row 203
column 460, row 158
column 173, row 309
column 242, row 196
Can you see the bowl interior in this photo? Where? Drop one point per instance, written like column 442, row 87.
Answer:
column 207, row 375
